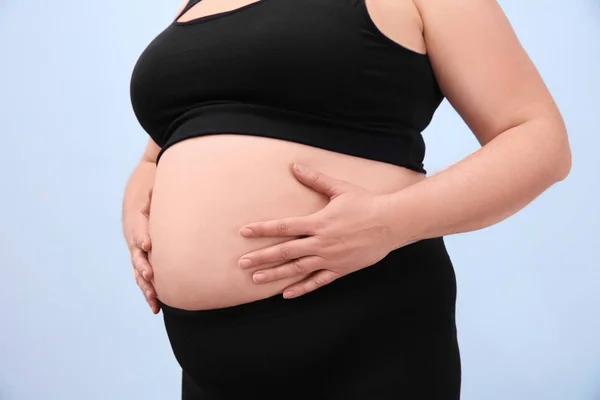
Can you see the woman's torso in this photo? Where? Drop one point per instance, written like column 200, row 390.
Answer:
column 208, row 187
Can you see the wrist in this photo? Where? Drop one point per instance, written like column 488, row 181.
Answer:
column 403, row 223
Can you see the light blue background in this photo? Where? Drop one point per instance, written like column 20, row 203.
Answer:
column 74, row 325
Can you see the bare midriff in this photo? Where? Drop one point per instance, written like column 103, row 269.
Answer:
column 208, row 187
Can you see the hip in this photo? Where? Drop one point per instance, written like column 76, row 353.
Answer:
column 389, row 325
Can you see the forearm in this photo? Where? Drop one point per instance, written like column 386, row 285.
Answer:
column 485, row 188
column 139, row 185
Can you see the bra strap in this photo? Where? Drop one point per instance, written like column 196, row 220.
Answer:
column 190, row 4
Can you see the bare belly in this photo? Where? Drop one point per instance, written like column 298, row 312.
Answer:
column 207, row 188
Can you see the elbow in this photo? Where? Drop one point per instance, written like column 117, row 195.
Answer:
column 564, row 163
column 562, row 159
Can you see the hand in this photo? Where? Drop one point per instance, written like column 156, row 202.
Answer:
column 349, row 234
column 138, row 240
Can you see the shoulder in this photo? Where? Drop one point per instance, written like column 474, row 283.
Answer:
column 481, row 66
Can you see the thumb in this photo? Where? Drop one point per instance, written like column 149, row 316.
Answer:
column 319, row 182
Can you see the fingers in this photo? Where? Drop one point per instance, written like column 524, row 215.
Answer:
column 139, row 246
column 319, row 182
column 286, row 227
column 146, row 207
column 147, row 290
column 140, row 240
column 154, row 306
column 285, row 251
column 139, row 259
column 312, row 283
column 144, row 243
column 298, row 267
column 143, row 275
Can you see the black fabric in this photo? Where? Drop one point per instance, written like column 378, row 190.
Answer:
column 385, row 332
column 317, row 72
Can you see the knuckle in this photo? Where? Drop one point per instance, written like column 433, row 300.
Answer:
column 319, row 225
column 138, row 276
column 299, row 268
column 284, row 252
column 282, row 228
column 329, row 242
column 325, row 242
column 317, row 282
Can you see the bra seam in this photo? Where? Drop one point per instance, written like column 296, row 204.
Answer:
column 364, row 10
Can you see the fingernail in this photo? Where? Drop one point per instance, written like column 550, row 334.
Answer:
column 260, row 277
column 144, row 246
column 145, row 274
column 246, row 232
column 300, row 168
column 288, row 294
column 245, row 262
column 148, row 293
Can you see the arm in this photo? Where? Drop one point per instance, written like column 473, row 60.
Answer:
column 489, row 79
column 491, row 82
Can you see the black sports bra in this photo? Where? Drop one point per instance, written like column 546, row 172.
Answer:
column 317, row 72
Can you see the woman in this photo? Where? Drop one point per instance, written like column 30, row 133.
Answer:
column 328, row 280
